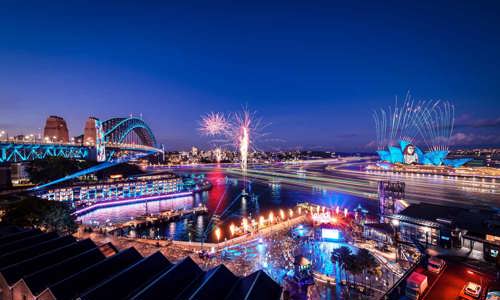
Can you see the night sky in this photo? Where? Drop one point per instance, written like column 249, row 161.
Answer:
column 314, row 70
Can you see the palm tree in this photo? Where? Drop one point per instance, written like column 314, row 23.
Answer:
column 353, row 266
column 366, row 261
column 340, row 256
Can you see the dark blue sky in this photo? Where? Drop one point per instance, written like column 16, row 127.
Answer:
column 315, row 70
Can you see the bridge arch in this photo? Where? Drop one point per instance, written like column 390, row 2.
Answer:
column 117, row 129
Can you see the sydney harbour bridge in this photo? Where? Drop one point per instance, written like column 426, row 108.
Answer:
column 116, row 138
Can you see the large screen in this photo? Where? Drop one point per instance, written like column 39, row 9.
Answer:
column 330, row 234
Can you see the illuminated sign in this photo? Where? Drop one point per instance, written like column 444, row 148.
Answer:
column 322, row 217
column 330, row 234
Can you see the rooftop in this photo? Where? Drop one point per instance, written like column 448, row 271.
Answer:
column 476, row 221
column 68, row 269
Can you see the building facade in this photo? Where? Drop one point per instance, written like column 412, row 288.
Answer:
column 119, row 189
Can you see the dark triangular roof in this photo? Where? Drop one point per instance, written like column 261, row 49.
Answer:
column 256, row 286
column 26, row 242
column 34, row 250
column 40, row 280
column 80, row 282
column 9, row 229
column 171, row 283
column 18, row 236
column 15, row 272
column 132, row 278
column 215, row 284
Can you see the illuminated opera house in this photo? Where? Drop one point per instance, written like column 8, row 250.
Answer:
column 409, row 154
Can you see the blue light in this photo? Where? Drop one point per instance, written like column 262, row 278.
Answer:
column 434, row 158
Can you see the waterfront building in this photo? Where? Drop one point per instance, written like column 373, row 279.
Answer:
column 476, row 230
column 134, row 187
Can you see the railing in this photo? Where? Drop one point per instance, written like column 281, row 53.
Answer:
column 386, row 296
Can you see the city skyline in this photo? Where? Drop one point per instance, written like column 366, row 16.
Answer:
column 315, row 72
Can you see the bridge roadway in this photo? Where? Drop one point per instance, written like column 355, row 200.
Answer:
column 22, row 151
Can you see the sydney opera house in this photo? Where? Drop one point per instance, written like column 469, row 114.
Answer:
column 408, row 153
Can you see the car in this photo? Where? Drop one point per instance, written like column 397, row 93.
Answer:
column 435, row 265
column 470, row 290
column 493, row 295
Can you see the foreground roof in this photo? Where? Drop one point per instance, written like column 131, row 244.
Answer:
column 63, row 268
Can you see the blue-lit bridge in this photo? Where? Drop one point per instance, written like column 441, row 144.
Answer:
column 120, row 137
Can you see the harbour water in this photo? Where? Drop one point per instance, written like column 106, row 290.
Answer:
column 231, row 198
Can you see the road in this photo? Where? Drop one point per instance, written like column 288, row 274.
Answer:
column 449, row 284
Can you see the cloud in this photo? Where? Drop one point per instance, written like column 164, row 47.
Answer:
column 467, row 120
column 470, row 139
column 347, row 135
column 371, row 145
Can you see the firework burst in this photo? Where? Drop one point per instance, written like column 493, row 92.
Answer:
column 241, row 130
column 213, row 124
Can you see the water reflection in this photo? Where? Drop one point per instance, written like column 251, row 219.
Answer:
column 224, row 199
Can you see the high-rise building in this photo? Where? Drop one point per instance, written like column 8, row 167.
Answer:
column 56, row 130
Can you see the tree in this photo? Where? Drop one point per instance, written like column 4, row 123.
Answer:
column 353, row 266
column 52, row 168
column 340, row 256
column 42, row 214
column 125, row 169
column 367, row 261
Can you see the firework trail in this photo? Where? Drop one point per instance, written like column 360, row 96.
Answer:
column 218, row 154
column 431, row 121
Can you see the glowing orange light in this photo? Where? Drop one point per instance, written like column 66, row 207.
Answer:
column 217, row 233
column 232, row 229
column 282, row 214
column 290, row 213
column 271, row 217
column 261, row 221
column 244, row 224
column 300, row 210
column 334, row 220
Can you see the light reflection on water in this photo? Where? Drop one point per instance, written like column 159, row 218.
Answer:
column 123, row 213
column 223, row 200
